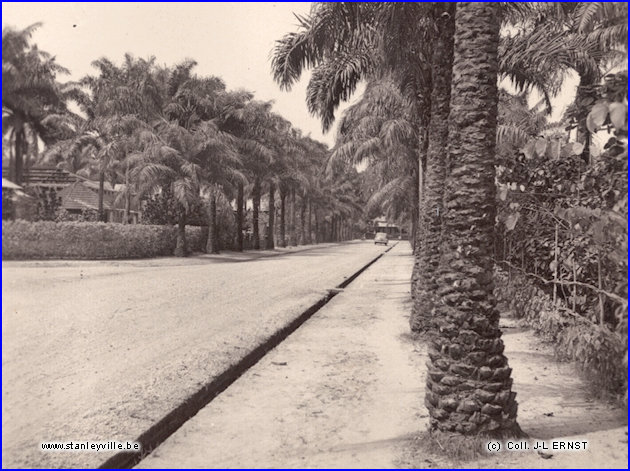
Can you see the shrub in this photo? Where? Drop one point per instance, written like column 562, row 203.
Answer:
column 91, row 240
column 8, row 206
column 598, row 351
column 86, row 215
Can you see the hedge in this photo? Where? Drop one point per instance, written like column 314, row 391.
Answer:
column 599, row 353
column 92, row 240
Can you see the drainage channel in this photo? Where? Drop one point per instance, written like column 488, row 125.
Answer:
column 169, row 424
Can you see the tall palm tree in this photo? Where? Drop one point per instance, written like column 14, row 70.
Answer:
column 184, row 161
column 468, row 382
column 33, row 102
column 430, row 218
column 252, row 123
column 185, row 152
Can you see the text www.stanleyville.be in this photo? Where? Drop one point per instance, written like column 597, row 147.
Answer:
column 91, row 446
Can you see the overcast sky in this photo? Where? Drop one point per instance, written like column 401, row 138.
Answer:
column 231, row 40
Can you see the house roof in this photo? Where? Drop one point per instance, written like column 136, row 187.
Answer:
column 10, row 185
column 53, row 176
column 79, row 195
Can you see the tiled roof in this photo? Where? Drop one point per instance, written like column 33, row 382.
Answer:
column 53, row 176
column 82, row 196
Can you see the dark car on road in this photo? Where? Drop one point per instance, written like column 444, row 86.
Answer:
column 381, row 238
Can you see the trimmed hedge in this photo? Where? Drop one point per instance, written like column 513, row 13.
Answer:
column 598, row 352
column 92, row 240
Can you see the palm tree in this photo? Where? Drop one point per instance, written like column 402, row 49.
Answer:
column 33, row 102
column 379, row 131
column 185, row 152
column 465, row 346
column 119, row 103
column 252, row 123
column 430, row 218
column 184, row 161
column 554, row 39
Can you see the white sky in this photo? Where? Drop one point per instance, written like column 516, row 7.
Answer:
column 230, row 40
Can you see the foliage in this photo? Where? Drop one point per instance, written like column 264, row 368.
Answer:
column 86, row 215
column 90, row 240
column 598, row 352
column 48, row 203
column 161, row 209
column 8, row 206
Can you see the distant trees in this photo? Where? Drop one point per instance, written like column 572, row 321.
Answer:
column 170, row 136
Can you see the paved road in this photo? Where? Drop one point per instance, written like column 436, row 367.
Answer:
column 343, row 391
column 102, row 350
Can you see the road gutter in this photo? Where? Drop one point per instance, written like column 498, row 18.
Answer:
column 171, row 422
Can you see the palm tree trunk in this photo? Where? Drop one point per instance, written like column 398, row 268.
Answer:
column 256, row 204
column 101, row 193
column 272, row 208
column 20, row 140
column 213, row 241
column 309, row 227
column 303, row 221
column 293, row 221
column 239, row 217
column 468, row 381
column 419, row 203
column 430, row 219
column 283, row 238
column 181, row 249
column 127, row 197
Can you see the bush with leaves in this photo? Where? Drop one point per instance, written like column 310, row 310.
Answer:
column 91, row 240
column 86, row 215
column 8, row 206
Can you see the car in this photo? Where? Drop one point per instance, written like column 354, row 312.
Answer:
column 381, row 238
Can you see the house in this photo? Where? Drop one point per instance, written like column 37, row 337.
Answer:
column 83, row 195
column 78, row 193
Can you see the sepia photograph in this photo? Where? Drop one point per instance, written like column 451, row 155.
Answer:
column 314, row 235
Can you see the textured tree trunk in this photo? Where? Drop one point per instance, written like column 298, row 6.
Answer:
column 181, row 249
column 212, row 245
column 239, row 217
column 317, row 238
column 332, row 229
column 303, row 221
column 127, row 197
column 101, row 193
column 272, row 208
column 309, row 227
column 20, row 141
column 419, row 204
column 255, row 213
column 283, row 235
column 293, row 221
column 430, row 219
column 468, row 381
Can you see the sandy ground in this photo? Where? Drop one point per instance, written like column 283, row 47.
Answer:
column 346, row 391
column 103, row 350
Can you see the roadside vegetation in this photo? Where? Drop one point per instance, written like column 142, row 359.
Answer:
column 453, row 136
column 483, row 175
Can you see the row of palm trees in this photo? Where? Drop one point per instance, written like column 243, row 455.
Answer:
column 167, row 129
column 427, row 125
